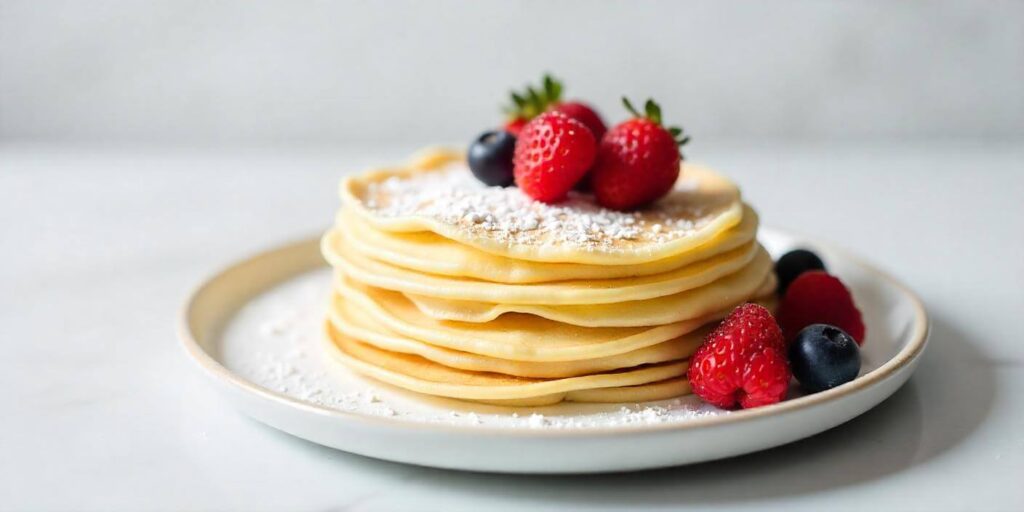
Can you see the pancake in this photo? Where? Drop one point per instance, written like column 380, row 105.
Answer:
column 513, row 336
column 423, row 376
column 753, row 281
column 351, row 321
column 335, row 246
column 437, row 193
column 430, row 253
column 447, row 287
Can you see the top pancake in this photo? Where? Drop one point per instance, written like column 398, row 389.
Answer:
column 430, row 253
column 438, row 193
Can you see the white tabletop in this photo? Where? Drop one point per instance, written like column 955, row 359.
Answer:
column 101, row 410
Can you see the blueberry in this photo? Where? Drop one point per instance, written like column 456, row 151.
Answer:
column 794, row 263
column 823, row 356
column 490, row 158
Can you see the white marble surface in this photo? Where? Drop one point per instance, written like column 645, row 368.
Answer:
column 101, row 411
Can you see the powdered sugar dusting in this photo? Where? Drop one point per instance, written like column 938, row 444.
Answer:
column 453, row 196
column 275, row 342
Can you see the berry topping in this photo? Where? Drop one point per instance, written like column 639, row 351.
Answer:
column 742, row 361
column 514, row 126
column 552, row 153
column 490, row 158
column 816, row 297
column 638, row 160
column 548, row 98
column 794, row 263
column 765, row 378
column 823, row 357
column 584, row 114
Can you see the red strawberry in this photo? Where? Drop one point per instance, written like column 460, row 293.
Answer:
column 638, row 160
column 817, row 297
column 584, row 114
column 553, row 151
column 514, row 126
column 742, row 361
column 548, row 98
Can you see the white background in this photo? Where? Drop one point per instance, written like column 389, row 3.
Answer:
column 334, row 73
column 145, row 144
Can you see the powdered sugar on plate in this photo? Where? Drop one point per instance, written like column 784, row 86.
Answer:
column 451, row 195
column 275, row 341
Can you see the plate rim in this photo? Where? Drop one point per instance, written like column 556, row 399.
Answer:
column 212, row 368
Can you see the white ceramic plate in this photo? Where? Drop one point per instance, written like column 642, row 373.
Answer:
column 254, row 330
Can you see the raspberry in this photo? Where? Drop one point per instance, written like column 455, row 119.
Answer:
column 742, row 361
column 817, row 297
column 765, row 378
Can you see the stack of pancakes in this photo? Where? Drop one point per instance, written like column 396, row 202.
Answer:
column 447, row 287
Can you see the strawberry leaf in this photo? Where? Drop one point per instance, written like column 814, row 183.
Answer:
column 533, row 101
column 653, row 111
column 629, row 107
column 552, row 89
